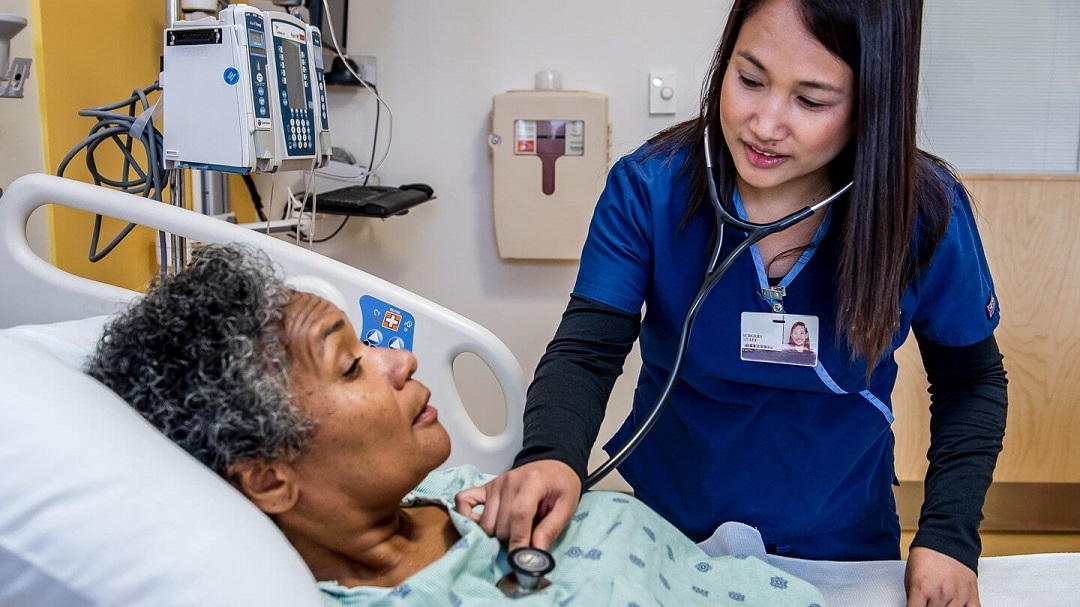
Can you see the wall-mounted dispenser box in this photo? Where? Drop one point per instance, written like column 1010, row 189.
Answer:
column 550, row 153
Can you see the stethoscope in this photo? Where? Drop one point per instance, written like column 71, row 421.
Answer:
column 715, row 271
column 529, row 565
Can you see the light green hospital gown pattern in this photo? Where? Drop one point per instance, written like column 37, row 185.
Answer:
column 616, row 551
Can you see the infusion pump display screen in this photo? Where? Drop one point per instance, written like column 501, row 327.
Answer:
column 294, row 88
column 294, row 74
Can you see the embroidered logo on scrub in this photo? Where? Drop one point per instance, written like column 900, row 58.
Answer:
column 386, row 326
column 991, row 307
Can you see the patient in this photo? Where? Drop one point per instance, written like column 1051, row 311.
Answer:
column 336, row 442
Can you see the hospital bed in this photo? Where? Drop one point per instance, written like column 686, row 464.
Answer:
column 97, row 508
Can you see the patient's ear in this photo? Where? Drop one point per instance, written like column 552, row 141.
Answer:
column 268, row 484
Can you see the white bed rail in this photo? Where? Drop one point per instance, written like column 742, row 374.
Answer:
column 35, row 291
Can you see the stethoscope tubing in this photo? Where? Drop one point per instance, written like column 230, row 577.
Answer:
column 715, row 271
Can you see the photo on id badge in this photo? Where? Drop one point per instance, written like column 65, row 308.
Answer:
column 785, row 339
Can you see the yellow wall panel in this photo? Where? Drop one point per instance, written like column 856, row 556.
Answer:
column 89, row 54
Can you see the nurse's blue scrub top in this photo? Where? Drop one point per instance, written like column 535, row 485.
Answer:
column 805, row 454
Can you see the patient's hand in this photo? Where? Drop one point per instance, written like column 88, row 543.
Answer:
column 934, row 579
column 544, row 492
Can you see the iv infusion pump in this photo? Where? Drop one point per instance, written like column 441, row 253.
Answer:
column 244, row 93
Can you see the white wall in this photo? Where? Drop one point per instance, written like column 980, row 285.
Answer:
column 20, row 128
column 989, row 69
column 441, row 62
column 1001, row 84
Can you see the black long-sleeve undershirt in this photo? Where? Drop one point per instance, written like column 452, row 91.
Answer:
column 566, row 401
column 573, row 381
column 968, row 405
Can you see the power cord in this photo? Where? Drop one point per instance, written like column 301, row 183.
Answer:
column 123, row 129
column 256, row 198
column 367, row 176
column 374, row 90
column 374, row 136
column 378, row 108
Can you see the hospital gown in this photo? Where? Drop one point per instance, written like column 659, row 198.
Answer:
column 615, row 551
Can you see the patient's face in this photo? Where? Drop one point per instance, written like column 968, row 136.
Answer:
column 375, row 435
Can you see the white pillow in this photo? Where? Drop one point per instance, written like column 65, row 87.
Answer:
column 98, row 508
column 72, row 341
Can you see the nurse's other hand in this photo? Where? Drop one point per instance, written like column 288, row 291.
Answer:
column 543, row 493
column 933, row 579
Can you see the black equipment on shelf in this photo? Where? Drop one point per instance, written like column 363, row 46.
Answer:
column 370, row 200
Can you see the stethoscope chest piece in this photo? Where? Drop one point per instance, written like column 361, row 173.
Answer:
column 528, row 566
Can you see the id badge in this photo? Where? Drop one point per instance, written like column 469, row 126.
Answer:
column 783, row 339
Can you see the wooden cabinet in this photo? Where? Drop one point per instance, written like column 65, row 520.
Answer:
column 1030, row 227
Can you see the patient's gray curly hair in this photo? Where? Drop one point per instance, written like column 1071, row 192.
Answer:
column 202, row 357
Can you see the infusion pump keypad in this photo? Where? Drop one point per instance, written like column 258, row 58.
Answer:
column 257, row 58
column 300, row 135
column 294, row 83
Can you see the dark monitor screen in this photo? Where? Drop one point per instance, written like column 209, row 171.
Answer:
column 339, row 16
column 294, row 75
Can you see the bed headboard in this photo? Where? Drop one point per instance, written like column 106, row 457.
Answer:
column 37, row 292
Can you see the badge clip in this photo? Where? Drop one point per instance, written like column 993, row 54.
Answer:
column 776, row 296
column 774, row 292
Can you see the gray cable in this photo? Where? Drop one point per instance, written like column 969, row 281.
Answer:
column 123, row 129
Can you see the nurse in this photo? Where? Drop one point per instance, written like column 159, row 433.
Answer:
column 808, row 95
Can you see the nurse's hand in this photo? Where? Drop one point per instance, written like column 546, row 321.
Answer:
column 543, row 493
column 936, row 580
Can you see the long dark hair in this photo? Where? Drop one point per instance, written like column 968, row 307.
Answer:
column 896, row 212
